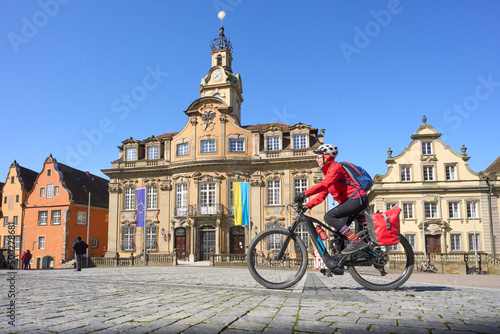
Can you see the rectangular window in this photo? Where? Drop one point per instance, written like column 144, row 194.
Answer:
column 299, row 185
column 12, row 179
column 49, row 191
column 129, row 203
column 474, row 242
column 153, row 152
column 389, row 206
column 472, row 209
column 426, row 148
column 431, row 210
column 17, row 198
column 408, row 211
column 273, row 192
column 6, row 241
column 94, row 242
column 55, row 218
column 405, row 174
column 128, row 238
column 299, row 141
column 207, row 198
column 181, row 199
column 42, row 217
column 456, row 242
column 151, row 197
column 56, row 191
column 273, row 143
column 17, row 242
column 81, row 217
column 428, row 173
column 5, row 221
column 451, row 173
column 454, row 209
column 412, row 240
column 207, row 146
column 151, row 239
column 41, row 242
column 49, row 172
column 5, row 200
column 183, row 149
column 131, row 154
column 304, row 235
column 14, row 219
column 42, row 192
column 236, row 146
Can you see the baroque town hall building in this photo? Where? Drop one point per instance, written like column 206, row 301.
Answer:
column 188, row 175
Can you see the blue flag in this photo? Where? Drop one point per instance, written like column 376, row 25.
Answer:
column 140, row 195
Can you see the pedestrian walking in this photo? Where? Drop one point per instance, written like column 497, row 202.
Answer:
column 24, row 260
column 80, row 248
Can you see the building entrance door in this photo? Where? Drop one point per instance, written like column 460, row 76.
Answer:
column 433, row 243
column 237, row 240
column 207, row 243
column 180, row 243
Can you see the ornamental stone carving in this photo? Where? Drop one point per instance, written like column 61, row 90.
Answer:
column 256, row 182
column 300, row 173
column 317, row 179
column 114, row 188
column 377, row 178
column 487, row 176
column 274, row 175
column 199, row 177
column 150, row 182
column 129, row 184
column 181, row 178
column 166, row 185
column 238, row 176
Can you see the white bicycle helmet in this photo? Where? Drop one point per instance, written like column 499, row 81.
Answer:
column 327, row 149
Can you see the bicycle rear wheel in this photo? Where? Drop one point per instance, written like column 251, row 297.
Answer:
column 276, row 273
column 390, row 269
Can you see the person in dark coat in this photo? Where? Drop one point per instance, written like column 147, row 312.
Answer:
column 80, row 248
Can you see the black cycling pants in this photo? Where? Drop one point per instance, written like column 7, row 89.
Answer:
column 340, row 215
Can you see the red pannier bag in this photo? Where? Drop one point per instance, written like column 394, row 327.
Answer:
column 387, row 227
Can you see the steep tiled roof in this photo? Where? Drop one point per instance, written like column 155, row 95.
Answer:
column 80, row 182
column 28, row 177
column 494, row 167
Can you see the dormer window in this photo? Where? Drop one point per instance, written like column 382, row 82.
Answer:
column 131, row 154
column 426, row 148
column 299, row 141
column 153, row 152
column 273, row 143
column 49, row 172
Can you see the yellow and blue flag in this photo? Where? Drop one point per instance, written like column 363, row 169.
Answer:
column 241, row 203
column 140, row 196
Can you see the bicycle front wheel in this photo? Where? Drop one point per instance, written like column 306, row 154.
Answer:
column 271, row 271
column 392, row 267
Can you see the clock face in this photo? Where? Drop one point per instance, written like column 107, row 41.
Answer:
column 216, row 75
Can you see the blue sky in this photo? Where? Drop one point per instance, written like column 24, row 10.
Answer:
column 366, row 71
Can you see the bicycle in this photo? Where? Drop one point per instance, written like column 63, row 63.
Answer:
column 277, row 263
column 427, row 267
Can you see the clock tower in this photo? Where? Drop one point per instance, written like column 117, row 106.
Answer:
column 220, row 81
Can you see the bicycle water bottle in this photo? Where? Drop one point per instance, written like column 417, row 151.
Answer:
column 321, row 233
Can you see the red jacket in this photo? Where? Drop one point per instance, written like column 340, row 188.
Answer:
column 340, row 192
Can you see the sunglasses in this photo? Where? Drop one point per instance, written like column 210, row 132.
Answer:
column 319, row 157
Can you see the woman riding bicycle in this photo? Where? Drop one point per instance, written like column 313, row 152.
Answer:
column 352, row 199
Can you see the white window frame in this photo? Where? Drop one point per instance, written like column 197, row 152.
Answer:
column 300, row 141
column 151, row 198
column 300, row 185
column 49, row 191
column 5, row 221
column 451, row 172
column 81, row 218
column 181, row 198
column 129, row 199
column 472, row 208
column 236, row 145
column 389, row 206
column 41, row 242
column 43, row 216
column 182, row 149
column 55, row 217
column 94, row 242
column 207, row 197
column 273, row 143
column 15, row 220
column 454, row 210
column 405, row 173
column 474, row 245
column 455, row 242
column 128, row 236
column 408, row 211
column 412, row 239
column 431, row 210
column 428, row 173
column 208, row 146
column 151, row 238
column 42, row 192
column 273, row 192
column 56, row 191
column 153, row 153
column 17, row 242
column 131, row 154
column 303, row 234
column 426, row 147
